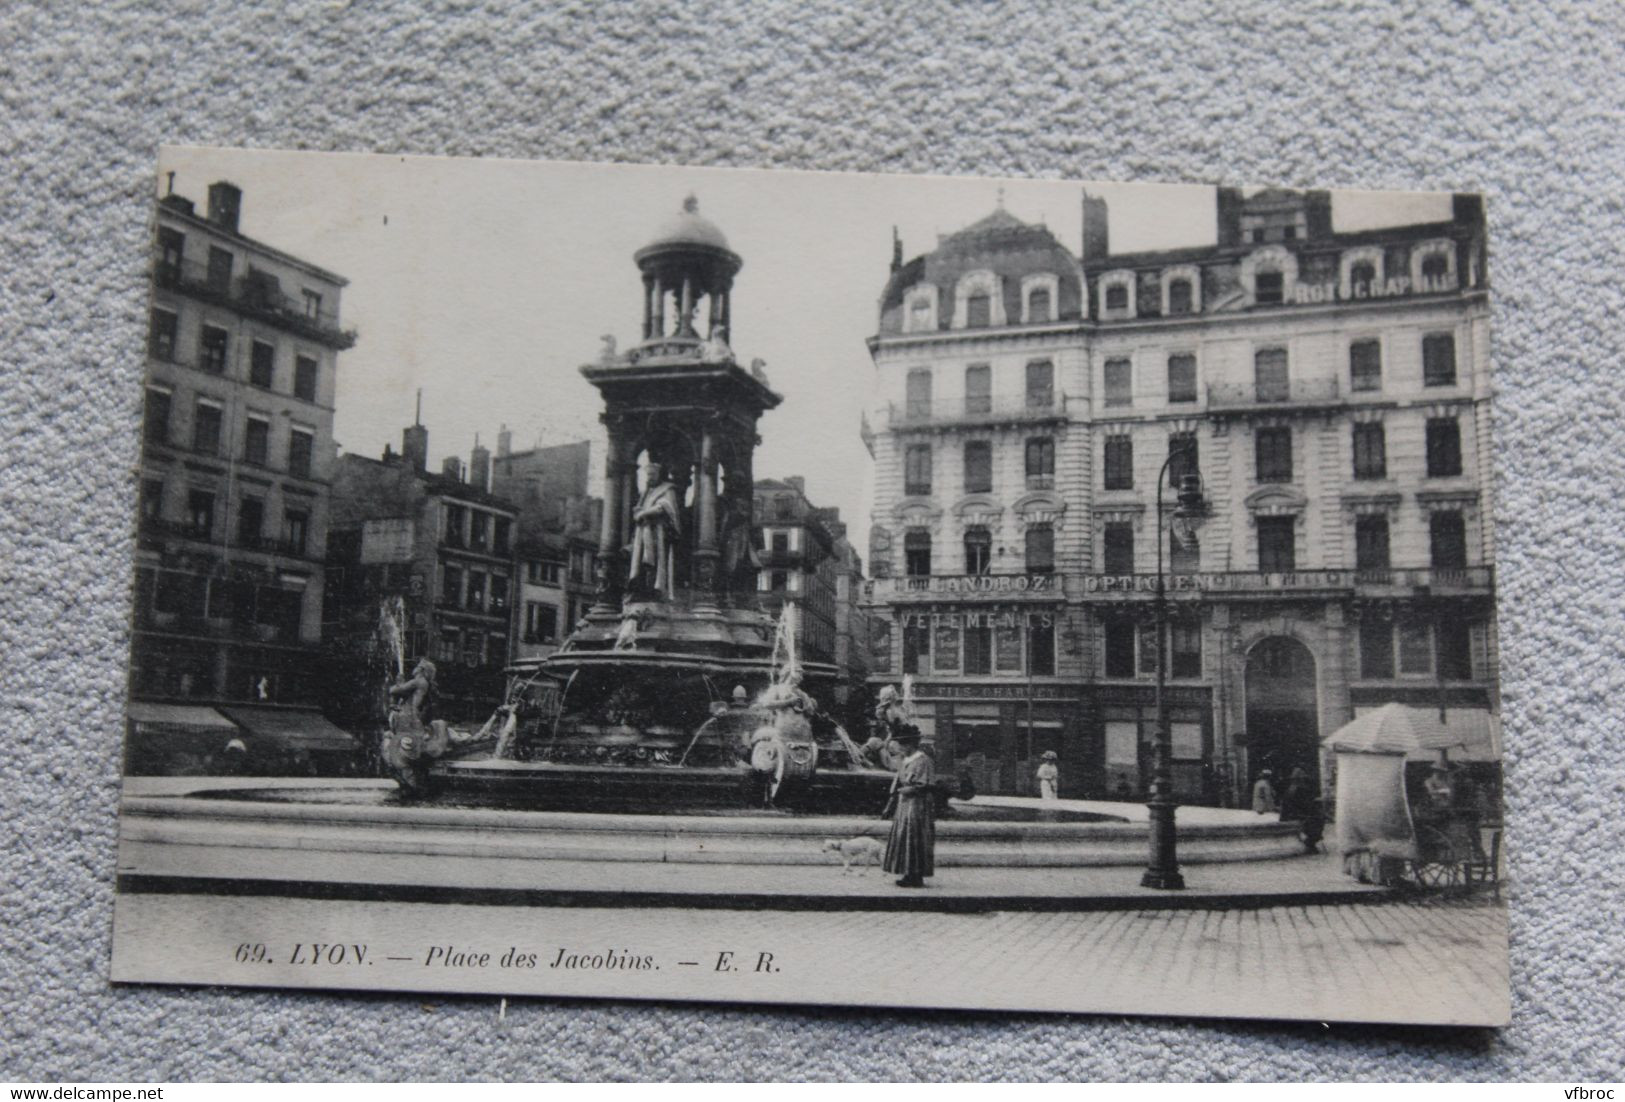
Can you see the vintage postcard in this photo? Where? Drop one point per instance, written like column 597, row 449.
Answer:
column 688, row 584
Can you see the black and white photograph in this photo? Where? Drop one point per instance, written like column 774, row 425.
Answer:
column 741, row 586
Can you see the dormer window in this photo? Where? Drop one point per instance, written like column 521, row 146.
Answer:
column 920, row 310
column 1269, row 288
column 1361, row 277
column 1038, row 306
column 1179, row 296
column 1433, row 265
column 1039, row 294
column 978, row 301
column 1117, row 297
column 1270, row 274
column 978, row 311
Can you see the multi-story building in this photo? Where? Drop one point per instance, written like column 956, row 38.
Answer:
column 558, row 533
column 236, row 462
column 1330, row 389
column 444, row 545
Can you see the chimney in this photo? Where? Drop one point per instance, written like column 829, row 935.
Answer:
column 1096, row 243
column 504, row 442
column 415, row 447
column 452, row 468
column 896, row 250
column 797, row 483
column 1228, row 210
column 225, row 205
column 479, row 467
column 1467, row 209
column 1317, row 213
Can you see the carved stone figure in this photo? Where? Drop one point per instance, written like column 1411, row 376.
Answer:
column 657, row 527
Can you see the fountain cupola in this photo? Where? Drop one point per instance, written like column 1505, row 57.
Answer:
column 687, row 266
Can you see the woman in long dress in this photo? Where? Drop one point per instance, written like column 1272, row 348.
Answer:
column 910, row 848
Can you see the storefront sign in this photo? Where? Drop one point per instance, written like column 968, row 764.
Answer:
column 975, row 584
column 959, row 690
column 1300, row 580
column 1308, row 294
column 388, row 540
column 979, row 618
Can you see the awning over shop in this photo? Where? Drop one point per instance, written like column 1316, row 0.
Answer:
column 1467, row 734
column 293, row 728
column 179, row 719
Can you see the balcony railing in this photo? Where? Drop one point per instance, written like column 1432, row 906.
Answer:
column 256, row 294
column 1289, row 393
column 978, row 410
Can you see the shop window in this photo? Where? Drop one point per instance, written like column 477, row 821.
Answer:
column 300, row 446
column 1119, row 382
column 1185, row 643
column 979, row 389
column 1122, row 737
column 212, row 349
column 161, row 332
column 916, row 648
column 1443, row 447
column 155, row 416
column 917, row 470
column 945, row 648
column 917, row 553
column 1371, row 543
column 1439, row 360
column 1182, row 377
column 1376, row 650
column 1271, row 377
column 917, row 402
column 1119, row 464
column 1118, row 542
column 1370, row 450
column 304, row 378
column 1040, row 384
column 1041, row 646
column 1179, row 296
column 257, row 441
column 1120, row 648
column 1447, row 539
column 261, row 364
column 1272, row 454
column 1148, row 648
column 978, row 467
column 1040, row 549
column 978, row 550
column 1041, row 463
column 978, row 648
column 206, row 428
column 1365, row 366
column 1276, row 544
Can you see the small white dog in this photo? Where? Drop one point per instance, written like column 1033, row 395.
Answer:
column 861, row 851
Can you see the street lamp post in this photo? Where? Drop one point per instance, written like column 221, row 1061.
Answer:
column 1162, row 871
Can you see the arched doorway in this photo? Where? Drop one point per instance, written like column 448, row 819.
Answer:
column 1283, row 731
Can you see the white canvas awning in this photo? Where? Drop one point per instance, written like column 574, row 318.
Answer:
column 1418, row 733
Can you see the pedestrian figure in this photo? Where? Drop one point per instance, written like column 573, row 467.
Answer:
column 1049, row 776
column 910, row 850
column 1264, row 793
column 1299, row 805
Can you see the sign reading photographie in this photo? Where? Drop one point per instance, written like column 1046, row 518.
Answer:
column 595, row 713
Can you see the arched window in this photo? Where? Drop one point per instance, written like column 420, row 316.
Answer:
column 1435, row 266
column 1040, row 549
column 1361, row 276
column 978, row 310
column 917, row 553
column 919, row 315
column 978, row 550
column 1117, row 296
column 1179, row 296
column 1038, row 305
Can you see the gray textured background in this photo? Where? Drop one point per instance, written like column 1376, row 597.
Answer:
column 1525, row 105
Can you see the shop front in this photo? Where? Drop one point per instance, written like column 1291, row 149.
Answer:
column 1119, row 734
column 997, row 732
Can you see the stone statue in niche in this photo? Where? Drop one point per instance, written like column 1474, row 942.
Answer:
column 657, row 527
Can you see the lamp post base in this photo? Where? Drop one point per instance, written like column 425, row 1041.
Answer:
column 1165, row 879
column 1162, row 871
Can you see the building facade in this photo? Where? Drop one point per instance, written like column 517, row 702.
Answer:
column 441, row 547
column 236, row 462
column 1331, row 392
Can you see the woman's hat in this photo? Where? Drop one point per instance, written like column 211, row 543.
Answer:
column 1267, row 773
column 1050, row 755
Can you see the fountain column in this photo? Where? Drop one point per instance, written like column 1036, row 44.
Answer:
column 608, row 566
column 706, row 552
